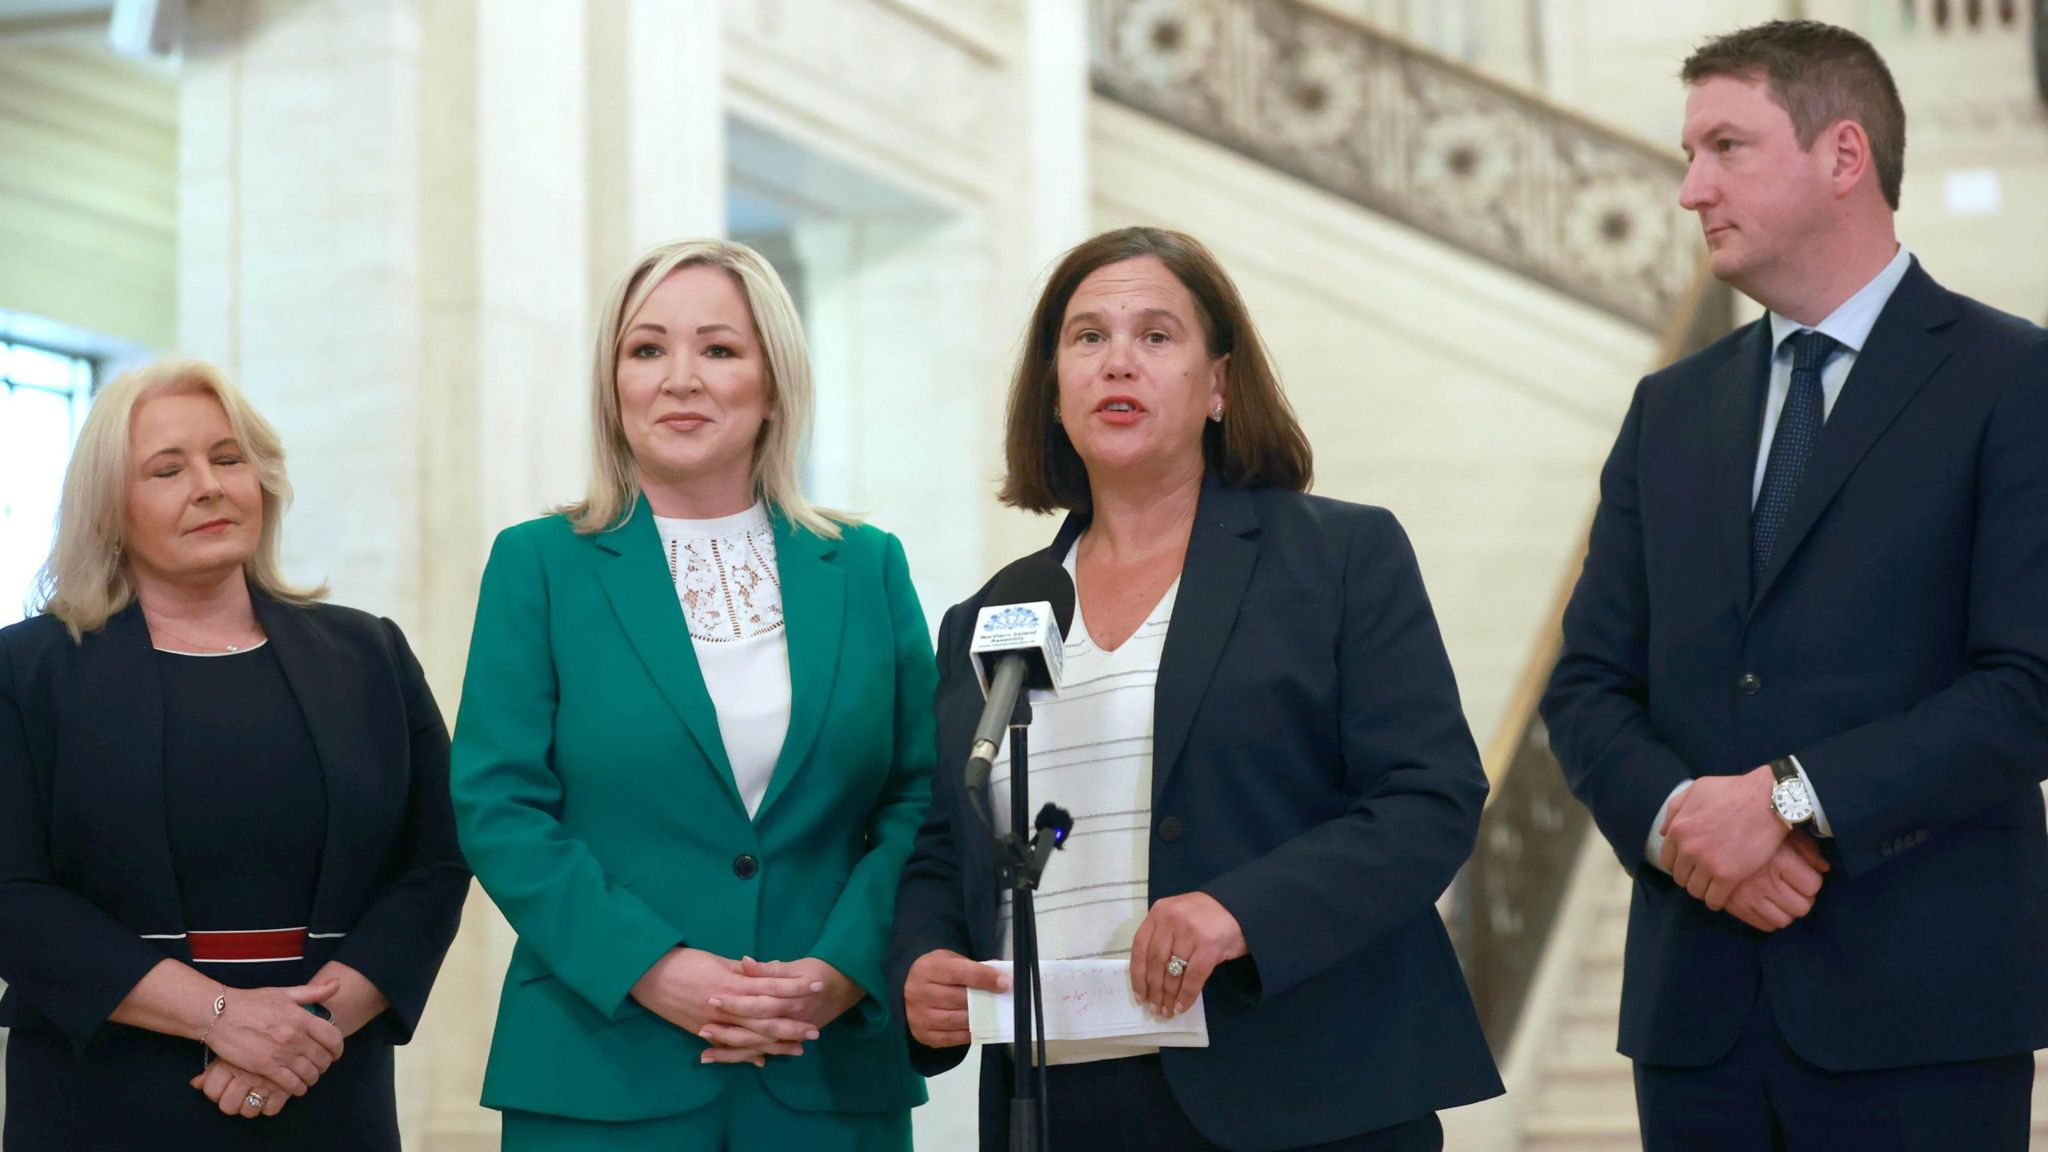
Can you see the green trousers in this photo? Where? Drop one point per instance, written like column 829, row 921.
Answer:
column 745, row 1118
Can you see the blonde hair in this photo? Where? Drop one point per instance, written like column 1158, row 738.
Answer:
column 614, row 487
column 84, row 583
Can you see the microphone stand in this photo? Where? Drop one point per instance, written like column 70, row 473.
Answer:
column 1021, row 856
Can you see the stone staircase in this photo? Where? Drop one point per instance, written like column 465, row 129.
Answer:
column 1579, row 1096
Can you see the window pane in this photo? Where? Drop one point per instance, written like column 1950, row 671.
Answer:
column 27, row 365
column 35, row 444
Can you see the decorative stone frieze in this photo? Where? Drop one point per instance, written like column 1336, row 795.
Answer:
column 1424, row 140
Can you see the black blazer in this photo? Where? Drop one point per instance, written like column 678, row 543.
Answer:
column 85, row 859
column 1313, row 772
column 1897, row 645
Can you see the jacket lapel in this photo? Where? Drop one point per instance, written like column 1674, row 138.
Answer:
column 118, row 673
column 1737, row 414
column 1212, row 582
column 813, row 616
column 333, row 710
column 643, row 595
column 1893, row 365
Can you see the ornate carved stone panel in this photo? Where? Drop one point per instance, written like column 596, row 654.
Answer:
column 1409, row 135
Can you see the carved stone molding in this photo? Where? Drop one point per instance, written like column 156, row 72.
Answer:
column 1424, row 140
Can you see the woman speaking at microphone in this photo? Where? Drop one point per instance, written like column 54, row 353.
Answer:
column 1258, row 735
column 693, row 751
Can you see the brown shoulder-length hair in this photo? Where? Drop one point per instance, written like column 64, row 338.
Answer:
column 1259, row 444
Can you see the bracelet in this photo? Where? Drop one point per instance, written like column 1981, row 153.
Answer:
column 220, row 1006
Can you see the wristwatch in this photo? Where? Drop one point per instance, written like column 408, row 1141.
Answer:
column 1790, row 799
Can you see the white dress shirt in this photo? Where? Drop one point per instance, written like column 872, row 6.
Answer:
column 725, row 576
column 1850, row 327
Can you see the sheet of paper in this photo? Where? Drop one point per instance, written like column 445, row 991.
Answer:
column 1087, row 1000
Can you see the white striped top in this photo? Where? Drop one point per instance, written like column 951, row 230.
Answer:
column 1091, row 753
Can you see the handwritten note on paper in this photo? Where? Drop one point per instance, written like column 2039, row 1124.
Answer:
column 1087, row 1000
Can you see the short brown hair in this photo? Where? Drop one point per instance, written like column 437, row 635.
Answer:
column 1259, row 444
column 1820, row 75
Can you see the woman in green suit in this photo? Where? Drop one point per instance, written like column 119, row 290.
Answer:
column 694, row 747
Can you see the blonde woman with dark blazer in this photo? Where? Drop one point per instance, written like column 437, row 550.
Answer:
column 225, row 839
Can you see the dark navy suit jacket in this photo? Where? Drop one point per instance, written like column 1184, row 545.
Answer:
column 1312, row 771
column 1897, row 645
column 85, row 857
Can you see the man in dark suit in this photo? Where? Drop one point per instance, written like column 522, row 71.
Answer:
column 1804, row 686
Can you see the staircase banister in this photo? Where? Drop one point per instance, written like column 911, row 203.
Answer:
column 1506, row 174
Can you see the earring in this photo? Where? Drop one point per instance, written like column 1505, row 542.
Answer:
column 1216, row 413
column 1056, row 414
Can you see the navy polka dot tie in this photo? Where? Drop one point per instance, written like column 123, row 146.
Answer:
column 1798, row 428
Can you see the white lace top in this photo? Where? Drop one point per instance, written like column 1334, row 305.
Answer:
column 725, row 577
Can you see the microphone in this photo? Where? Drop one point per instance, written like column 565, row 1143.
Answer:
column 1018, row 645
column 1054, row 825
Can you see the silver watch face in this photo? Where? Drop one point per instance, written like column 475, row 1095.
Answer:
column 1791, row 800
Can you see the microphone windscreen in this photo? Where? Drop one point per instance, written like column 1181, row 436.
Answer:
column 1036, row 577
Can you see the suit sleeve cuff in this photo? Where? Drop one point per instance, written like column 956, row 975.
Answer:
column 871, row 1013
column 1653, row 847
column 605, row 978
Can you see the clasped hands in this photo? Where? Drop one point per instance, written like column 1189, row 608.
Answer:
column 266, row 1043
column 1725, row 846
column 746, row 1009
column 1193, row 927
column 267, row 1046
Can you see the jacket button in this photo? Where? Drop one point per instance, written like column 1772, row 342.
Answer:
column 1749, row 684
column 744, row 867
column 1170, row 829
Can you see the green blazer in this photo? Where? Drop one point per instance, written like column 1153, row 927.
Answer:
column 595, row 803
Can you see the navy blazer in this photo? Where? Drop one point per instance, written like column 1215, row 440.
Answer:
column 1312, row 771
column 1897, row 645
column 85, row 857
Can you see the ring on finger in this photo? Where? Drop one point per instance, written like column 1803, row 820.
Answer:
column 254, row 1100
column 1175, row 966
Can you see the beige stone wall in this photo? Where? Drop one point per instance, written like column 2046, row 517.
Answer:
column 1499, row 37
column 1972, row 116
column 1971, row 110
column 88, row 187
